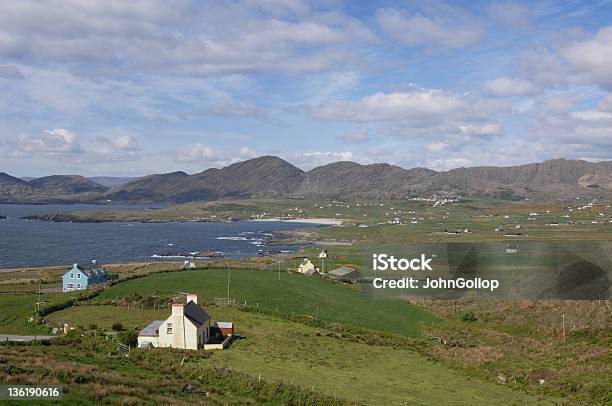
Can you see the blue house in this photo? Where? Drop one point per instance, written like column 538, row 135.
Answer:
column 80, row 277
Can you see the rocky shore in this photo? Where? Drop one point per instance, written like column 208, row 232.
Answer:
column 62, row 218
column 197, row 254
column 72, row 218
column 109, row 217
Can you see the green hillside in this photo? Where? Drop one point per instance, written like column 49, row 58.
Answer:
column 298, row 294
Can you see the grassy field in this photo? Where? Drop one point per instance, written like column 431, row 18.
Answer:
column 316, row 359
column 292, row 294
column 17, row 309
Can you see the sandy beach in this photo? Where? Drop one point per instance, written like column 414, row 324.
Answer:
column 322, row 221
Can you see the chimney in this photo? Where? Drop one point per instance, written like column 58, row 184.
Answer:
column 178, row 309
column 192, row 297
column 75, row 265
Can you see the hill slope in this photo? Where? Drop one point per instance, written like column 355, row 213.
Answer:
column 349, row 178
column 266, row 176
column 48, row 189
column 66, row 185
column 12, row 188
column 270, row 176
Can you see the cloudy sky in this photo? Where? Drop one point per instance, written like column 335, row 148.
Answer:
column 135, row 87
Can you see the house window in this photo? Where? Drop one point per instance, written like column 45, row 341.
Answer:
column 78, row 276
column 71, row 276
column 169, row 328
column 70, row 286
column 79, row 286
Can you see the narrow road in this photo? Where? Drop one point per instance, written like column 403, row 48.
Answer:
column 16, row 338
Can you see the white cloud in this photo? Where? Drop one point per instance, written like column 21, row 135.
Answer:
column 573, row 133
column 309, row 160
column 419, row 112
column 198, row 153
column 449, row 28
column 182, row 37
column 358, row 136
column 53, row 142
column 573, row 60
column 482, row 130
column 412, row 104
column 123, row 142
column 592, row 115
column 591, row 58
column 605, row 104
column 247, row 153
column 10, row 72
column 513, row 15
column 437, row 146
column 504, row 87
column 238, row 109
column 448, row 163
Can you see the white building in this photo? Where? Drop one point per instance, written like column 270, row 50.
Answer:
column 187, row 327
column 305, row 266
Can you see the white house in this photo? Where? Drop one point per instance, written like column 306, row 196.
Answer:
column 305, row 266
column 188, row 327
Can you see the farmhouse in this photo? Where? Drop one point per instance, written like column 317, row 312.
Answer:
column 188, row 265
column 305, row 266
column 79, row 277
column 187, row 327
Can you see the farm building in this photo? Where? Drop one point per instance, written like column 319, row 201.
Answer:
column 187, row 327
column 312, row 272
column 305, row 266
column 512, row 249
column 79, row 277
column 344, row 274
column 224, row 327
column 188, row 265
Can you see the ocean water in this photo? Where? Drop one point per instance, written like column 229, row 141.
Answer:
column 33, row 243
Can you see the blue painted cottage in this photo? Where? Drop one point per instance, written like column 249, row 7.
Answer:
column 80, row 277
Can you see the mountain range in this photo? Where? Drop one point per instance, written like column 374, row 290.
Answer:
column 270, row 176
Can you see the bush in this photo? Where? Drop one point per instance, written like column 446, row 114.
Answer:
column 93, row 326
column 469, row 317
column 129, row 338
column 117, row 327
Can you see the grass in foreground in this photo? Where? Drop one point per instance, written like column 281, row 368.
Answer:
column 314, row 359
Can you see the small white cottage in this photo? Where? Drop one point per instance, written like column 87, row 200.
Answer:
column 188, row 327
column 305, row 266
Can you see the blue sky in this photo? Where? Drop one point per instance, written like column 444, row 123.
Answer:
column 131, row 88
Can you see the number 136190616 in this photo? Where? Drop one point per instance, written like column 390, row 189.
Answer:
column 24, row 392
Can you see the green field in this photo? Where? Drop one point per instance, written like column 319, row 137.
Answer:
column 292, row 294
column 17, row 309
column 316, row 359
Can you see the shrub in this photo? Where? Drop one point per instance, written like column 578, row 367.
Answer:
column 117, row 327
column 129, row 338
column 469, row 317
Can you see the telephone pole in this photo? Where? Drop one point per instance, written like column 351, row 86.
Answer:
column 229, row 272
